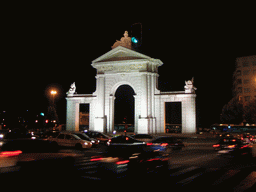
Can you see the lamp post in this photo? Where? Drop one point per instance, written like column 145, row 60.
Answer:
column 53, row 93
column 52, row 110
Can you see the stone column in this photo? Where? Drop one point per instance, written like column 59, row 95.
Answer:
column 100, row 122
column 72, row 122
column 189, row 113
column 143, row 123
column 110, row 123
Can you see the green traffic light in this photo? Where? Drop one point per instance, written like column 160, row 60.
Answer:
column 134, row 40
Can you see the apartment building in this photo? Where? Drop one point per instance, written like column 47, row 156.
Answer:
column 244, row 79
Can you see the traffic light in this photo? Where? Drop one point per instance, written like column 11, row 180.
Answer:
column 134, row 40
column 46, row 121
column 136, row 34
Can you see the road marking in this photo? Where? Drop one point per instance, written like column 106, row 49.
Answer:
column 247, row 183
column 226, row 176
column 183, row 171
column 193, row 159
column 189, row 179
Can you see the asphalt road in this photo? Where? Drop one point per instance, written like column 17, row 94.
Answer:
column 196, row 167
column 202, row 155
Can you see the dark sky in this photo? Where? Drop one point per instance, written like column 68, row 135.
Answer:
column 52, row 45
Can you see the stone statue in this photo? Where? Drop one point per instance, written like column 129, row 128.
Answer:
column 189, row 86
column 72, row 89
column 124, row 42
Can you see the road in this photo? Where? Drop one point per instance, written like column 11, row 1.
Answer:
column 196, row 167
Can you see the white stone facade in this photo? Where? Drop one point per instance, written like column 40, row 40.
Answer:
column 122, row 66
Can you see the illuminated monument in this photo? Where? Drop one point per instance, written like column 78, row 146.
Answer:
column 123, row 66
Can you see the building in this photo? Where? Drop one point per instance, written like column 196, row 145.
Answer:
column 244, row 79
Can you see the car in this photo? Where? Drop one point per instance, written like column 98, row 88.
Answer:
column 143, row 137
column 126, row 156
column 34, row 160
column 102, row 137
column 233, row 147
column 83, row 136
column 125, row 144
column 70, row 139
column 247, row 138
column 124, row 140
column 8, row 159
column 23, row 151
column 166, row 144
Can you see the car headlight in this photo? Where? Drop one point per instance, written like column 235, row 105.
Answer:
column 85, row 143
column 93, row 141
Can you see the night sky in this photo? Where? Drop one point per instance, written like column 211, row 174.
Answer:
column 47, row 46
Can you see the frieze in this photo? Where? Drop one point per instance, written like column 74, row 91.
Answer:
column 118, row 68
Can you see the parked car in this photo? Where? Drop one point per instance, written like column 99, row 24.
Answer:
column 69, row 139
column 166, row 144
column 232, row 147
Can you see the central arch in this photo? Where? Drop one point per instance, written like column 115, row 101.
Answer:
column 124, row 107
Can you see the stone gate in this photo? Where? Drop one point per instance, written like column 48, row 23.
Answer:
column 124, row 66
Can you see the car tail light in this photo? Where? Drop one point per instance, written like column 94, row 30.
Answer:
column 10, row 153
column 149, row 144
column 164, row 144
column 165, row 159
column 122, row 162
column 217, row 145
column 96, row 158
column 154, row 159
column 244, row 146
column 231, row 146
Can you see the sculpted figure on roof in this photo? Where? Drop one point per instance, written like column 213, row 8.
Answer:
column 124, row 42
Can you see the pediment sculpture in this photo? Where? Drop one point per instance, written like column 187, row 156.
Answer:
column 124, row 42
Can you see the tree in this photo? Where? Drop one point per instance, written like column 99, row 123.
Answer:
column 232, row 112
column 250, row 112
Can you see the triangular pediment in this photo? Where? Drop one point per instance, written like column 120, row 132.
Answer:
column 120, row 53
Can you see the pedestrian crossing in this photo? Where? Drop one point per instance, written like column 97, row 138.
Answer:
column 186, row 177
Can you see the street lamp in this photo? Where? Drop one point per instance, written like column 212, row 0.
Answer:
column 53, row 92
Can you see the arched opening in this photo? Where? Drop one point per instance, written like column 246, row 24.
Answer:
column 124, row 109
